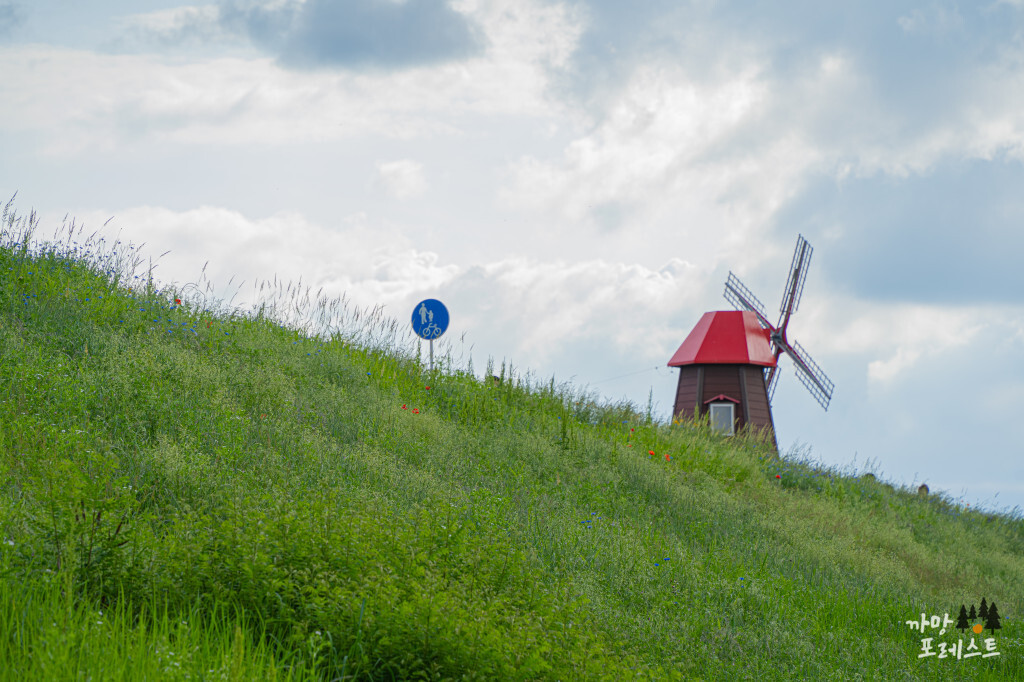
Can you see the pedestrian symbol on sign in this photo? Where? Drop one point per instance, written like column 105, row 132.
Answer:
column 429, row 331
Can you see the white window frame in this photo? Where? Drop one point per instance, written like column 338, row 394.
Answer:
column 732, row 417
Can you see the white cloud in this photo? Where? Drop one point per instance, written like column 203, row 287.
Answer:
column 403, row 179
column 553, row 303
column 661, row 121
column 373, row 265
column 541, row 306
column 728, row 152
column 861, row 123
column 525, row 34
column 195, row 23
column 935, row 20
column 676, row 159
column 884, row 371
column 120, row 100
column 894, row 338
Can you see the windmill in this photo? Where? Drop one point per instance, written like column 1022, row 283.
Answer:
column 807, row 370
column 728, row 364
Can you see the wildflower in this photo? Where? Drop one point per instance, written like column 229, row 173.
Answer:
column 667, row 458
column 778, row 476
column 650, row 452
column 404, row 407
column 415, row 410
column 177, row 301
column 428, row 388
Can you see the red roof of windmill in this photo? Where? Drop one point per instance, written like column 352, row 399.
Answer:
column 726, row 337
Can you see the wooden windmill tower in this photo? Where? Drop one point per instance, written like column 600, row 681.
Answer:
column 729, row 362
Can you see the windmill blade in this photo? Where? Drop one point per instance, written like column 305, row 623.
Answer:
column 797, row 275
column 743, row 299
column 772, row 378
column 807, row 370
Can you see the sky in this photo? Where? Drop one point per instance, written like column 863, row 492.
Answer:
column 575, row 181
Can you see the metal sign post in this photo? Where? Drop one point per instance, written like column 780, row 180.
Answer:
column 429, row 321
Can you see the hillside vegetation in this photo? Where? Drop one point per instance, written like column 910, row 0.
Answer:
column 192, row 493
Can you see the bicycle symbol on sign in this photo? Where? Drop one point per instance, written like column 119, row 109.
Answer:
column 431, row 331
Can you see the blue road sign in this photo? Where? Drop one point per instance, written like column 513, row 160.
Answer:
column 429, row 319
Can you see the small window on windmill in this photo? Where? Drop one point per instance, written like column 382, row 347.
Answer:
column 723, row 417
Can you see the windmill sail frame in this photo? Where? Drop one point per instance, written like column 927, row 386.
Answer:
column 807, row 370
column 798, row 272
column 811, row 375
column 742, row 298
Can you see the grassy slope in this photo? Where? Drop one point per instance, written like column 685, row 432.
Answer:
column 196, row 495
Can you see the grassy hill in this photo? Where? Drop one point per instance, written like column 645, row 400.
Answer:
column 188, row 493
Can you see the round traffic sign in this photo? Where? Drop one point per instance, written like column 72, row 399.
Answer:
column 429, row 319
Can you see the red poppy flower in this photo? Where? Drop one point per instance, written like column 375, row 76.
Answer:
column 177, row 301
column 428, row 388
column 650, row 452
column 667, row 458
column 404, row 407
column 777, row 476
column 415, row 410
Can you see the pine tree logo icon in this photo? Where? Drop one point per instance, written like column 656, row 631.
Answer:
column 988, row 615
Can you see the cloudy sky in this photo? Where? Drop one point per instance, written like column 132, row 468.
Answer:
column 575, row 180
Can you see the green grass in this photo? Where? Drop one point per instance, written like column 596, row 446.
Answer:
column 189, row 493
